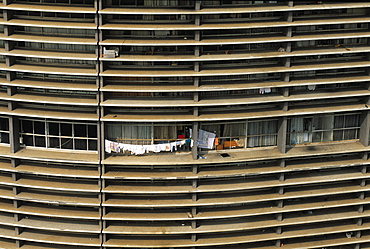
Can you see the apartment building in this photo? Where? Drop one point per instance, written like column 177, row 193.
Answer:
column 184, row 124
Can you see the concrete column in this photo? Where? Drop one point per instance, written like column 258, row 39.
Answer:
column 196, row 66
column 14, row 134
column 8, row 30
column 196, row 81
column 9, row 45
column 10, row 61
column 101, row 140
column 10, row 75
column 8, row 14
column 11, row 90
column 194, row 149
column 196, row 97
column 6, row 2
column 282, row 133
column 197, row 20
column 197, row 51
column 364, row 128
column 198, row 4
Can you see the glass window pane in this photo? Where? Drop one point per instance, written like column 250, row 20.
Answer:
column 80, row 144
column 66, row 129
column 40, row 141
column 4, row 137
column 80, row 130
column 92, row 130
column 28, row 140
column 67, row 143
column 27, row 126
column 93, row 145
column 4, row 124
column 54, row 129
column 54, row 142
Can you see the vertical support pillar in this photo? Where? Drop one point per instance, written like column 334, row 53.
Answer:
column 11, row 90
column 360, row 209
column 194, row 149
column 195, row 169
column 285, row 91
column 196, row 96
column 14, row 134
column 9, row 45
column 197, row 20
column 195, row 111
column 101, row 141
column 197, row 35
column 282, row 133
column 19, row 243
column 197, row 5
column 8, row 15
column 194, row 211
column 196, row 66
column 10, row 61
column 364, row 128
column 196, row 81
column 8, row 30
column 196, row 51
column 282, row 163
column 286, row 62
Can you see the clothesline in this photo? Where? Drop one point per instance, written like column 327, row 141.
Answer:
column 134, row 149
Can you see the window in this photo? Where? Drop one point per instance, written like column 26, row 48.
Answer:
column 4, row 130
column 59, row 135
column 323, row 128
column 230, row 135
column 262, row 133
column 145, row 134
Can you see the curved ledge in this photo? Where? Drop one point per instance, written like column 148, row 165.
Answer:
column 46, row 198
column 302, row 179
column 228, row 41
column 33, row 98
column 308, row 230
column 51, row 185
column 45, row 225
column 226, row 115
column 71, row 70
column 220, row 56
column 48, row 8
column 251, row 9
column 76, row 86
column 49, row 155
column 51, row 211
column 232, row 86
column 218, row 26
column 241, row 225
column 236, row 212
column 235, row 199
column 48, row 54
column 49, row 39
column 54, row 114
column 221, row 172
column 45, row 23
column 83, row 172
column 228, row 100
column 173, row 72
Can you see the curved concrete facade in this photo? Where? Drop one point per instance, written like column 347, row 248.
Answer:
column 102, row 103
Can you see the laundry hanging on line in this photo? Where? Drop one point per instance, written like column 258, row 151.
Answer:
column 134, row 149
column 205, row 139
